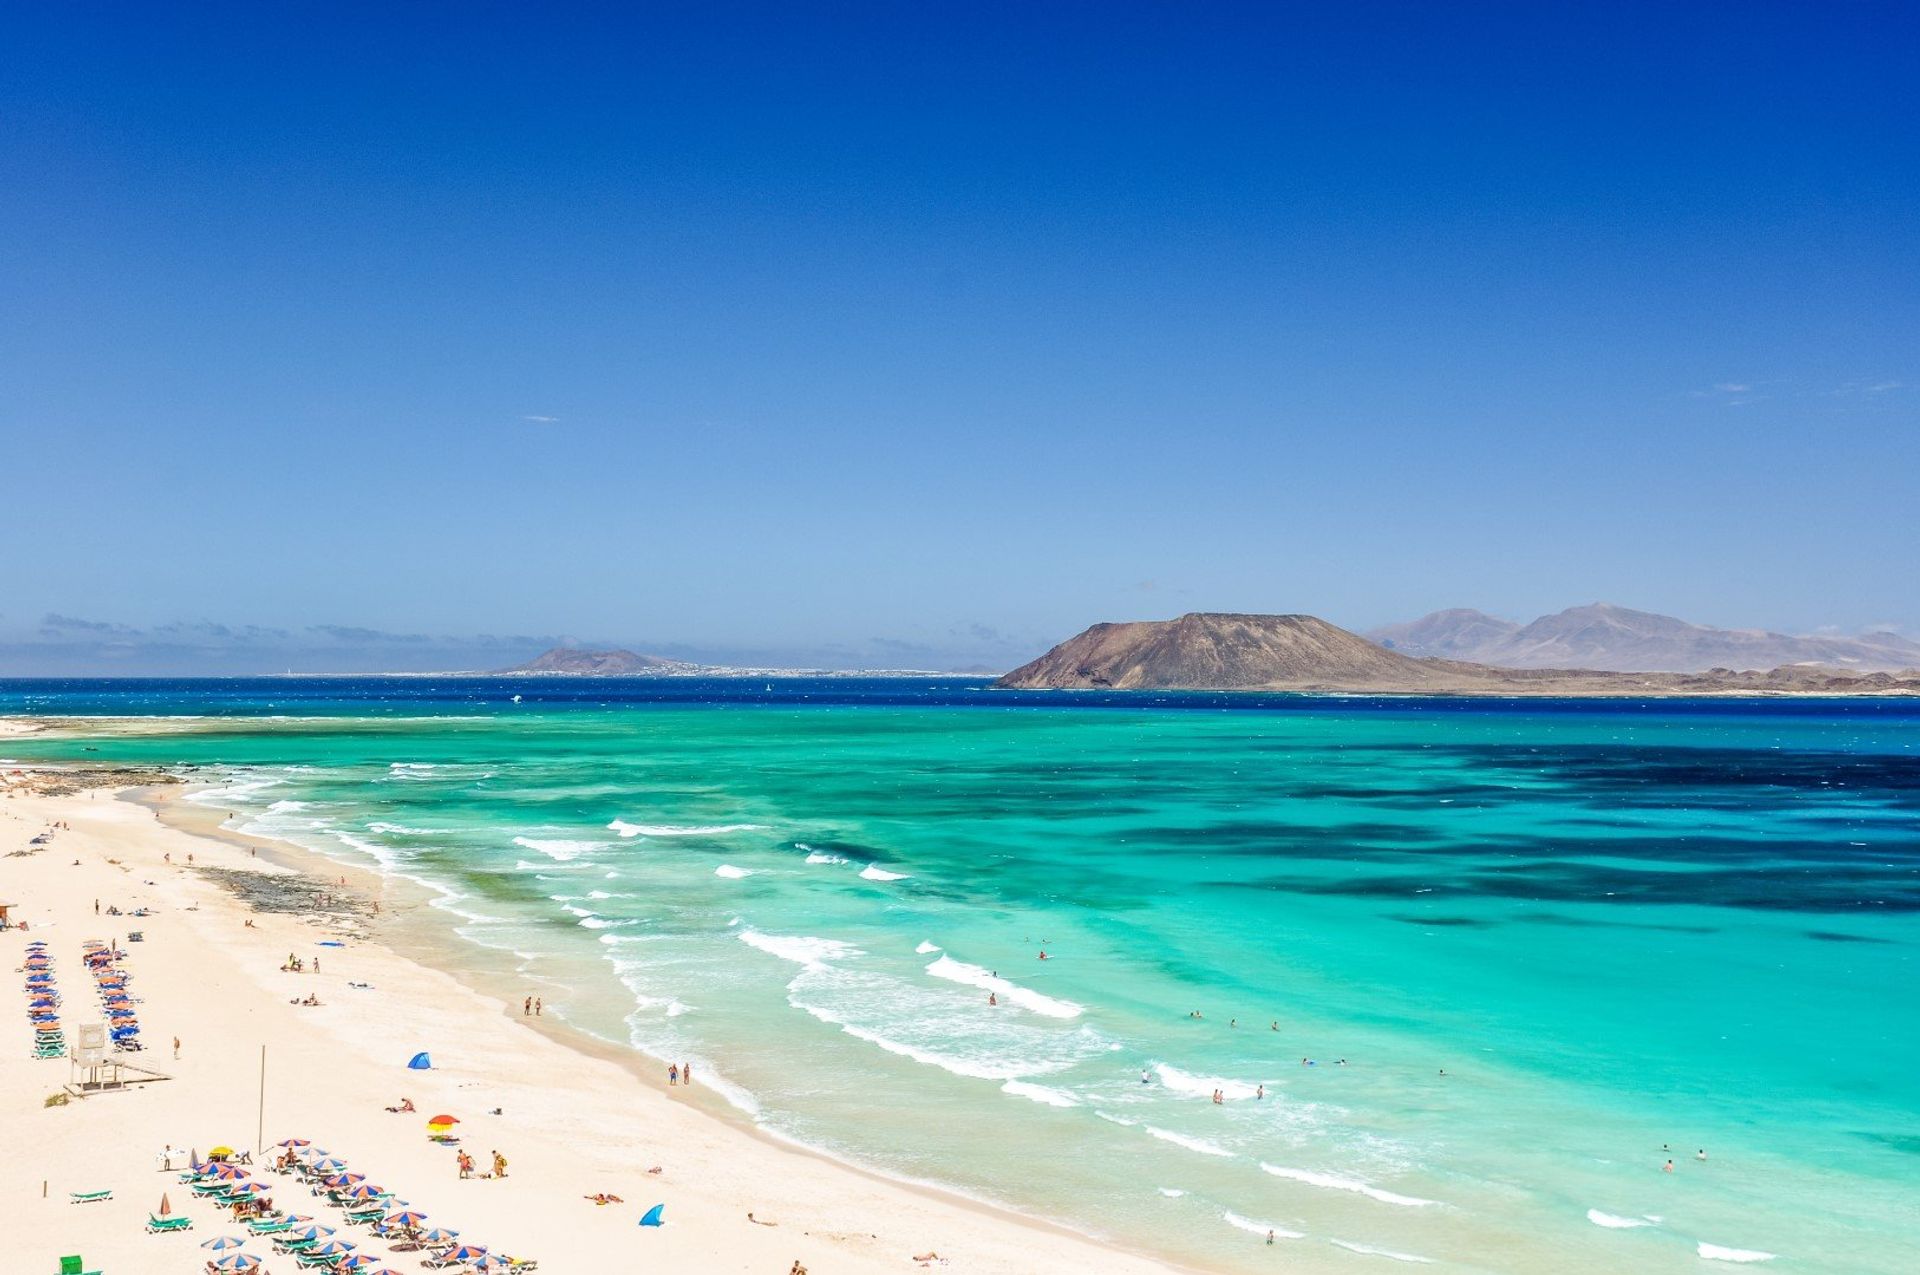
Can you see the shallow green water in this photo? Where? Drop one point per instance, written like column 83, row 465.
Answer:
column 1616, row 929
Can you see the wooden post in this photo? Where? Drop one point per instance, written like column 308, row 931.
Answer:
column 260, row 1132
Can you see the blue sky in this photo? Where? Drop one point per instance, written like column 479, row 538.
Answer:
column 933, row 333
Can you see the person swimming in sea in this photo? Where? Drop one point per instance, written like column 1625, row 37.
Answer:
column 992, row 999
column 1259, row 1093
column 1145, row 1079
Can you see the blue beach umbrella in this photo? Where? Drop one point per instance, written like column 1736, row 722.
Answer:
column 220, row 1243
column 236, row 1262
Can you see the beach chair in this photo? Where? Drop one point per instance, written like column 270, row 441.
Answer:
column 72, row 1265
column 174, row 1222
column 270, row 1225
column 88, row 1197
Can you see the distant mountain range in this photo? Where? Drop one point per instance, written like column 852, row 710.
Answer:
column 579, row 662
column 1604, row 636
column 1211, row 651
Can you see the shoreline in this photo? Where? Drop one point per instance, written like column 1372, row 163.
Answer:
column 880, row 1221
column 170, row 806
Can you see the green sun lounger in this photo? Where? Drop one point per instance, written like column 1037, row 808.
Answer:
column 88, row 1197
column 161, row 1225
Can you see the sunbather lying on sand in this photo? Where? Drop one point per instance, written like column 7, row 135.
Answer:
column 601, row 1197
column 406, row 1105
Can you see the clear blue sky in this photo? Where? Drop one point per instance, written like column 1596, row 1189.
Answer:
column 832, row 331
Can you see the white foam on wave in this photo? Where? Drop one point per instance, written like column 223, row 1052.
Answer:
column 602, row 923
column 873, row 873
column 1110, row 1118
column 1011, row 993
column 626, row 829
column 1186, row 1082
column 815, row 856
column 560, row 851
column 288, row 807
column 1172, row 1192
column 1720, row 1253
column 927, row 949
column 1258, row 1228
column 1192, row 1144
column 234, row 790
column 732, row 873
column 801, row 949
column 1371, row 1251
column 1335, row 1182
column 1614, row 1222
column 388, row 829
column 1040, row 1093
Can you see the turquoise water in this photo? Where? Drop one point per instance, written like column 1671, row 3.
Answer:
column 1616, row 928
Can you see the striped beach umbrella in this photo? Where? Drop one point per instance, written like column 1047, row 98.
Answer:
column 311, row 1231
column 221, row 1243
column 465, row 1253
column 332, row 1248
column 236, row 1262
column 346, row 1179
column 358, row 1262
column 406, row 1217
column 365, row 1191
column 293, row 1142
column 328, row 1164
column 439, row 1235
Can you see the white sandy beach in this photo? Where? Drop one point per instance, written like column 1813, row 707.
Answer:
column 571, row 1123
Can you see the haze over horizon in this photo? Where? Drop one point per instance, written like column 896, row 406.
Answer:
column 927, row 337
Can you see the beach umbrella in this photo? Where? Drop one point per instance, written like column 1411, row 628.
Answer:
column 327, row 1164
column 231, row 1172
column 465, row 1253
column 406, row 1217
column 491, row 1262
column 365, row 1191
column 220, row 1152
column 346, row 1179
column 236, row 1262
column 293, row 1142
column 221, row 1243
column 166, row 1205
column 358, row 1262
column 439, row 1235
column 311, row 1231
column 332, row 1248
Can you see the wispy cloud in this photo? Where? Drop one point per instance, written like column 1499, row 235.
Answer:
column 1867, row 387
column 542, row 420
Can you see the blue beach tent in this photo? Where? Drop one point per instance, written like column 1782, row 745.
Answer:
column 421, row 1062
column 653, row 1217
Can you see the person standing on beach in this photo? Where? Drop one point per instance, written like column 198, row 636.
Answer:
column 526, row 1007
column 499, row 1165
column 538, row 1005
column 465, row 1163
column 673, row 1073
column 686, row 1078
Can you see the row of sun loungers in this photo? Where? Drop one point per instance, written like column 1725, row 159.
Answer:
column 43, row 1003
